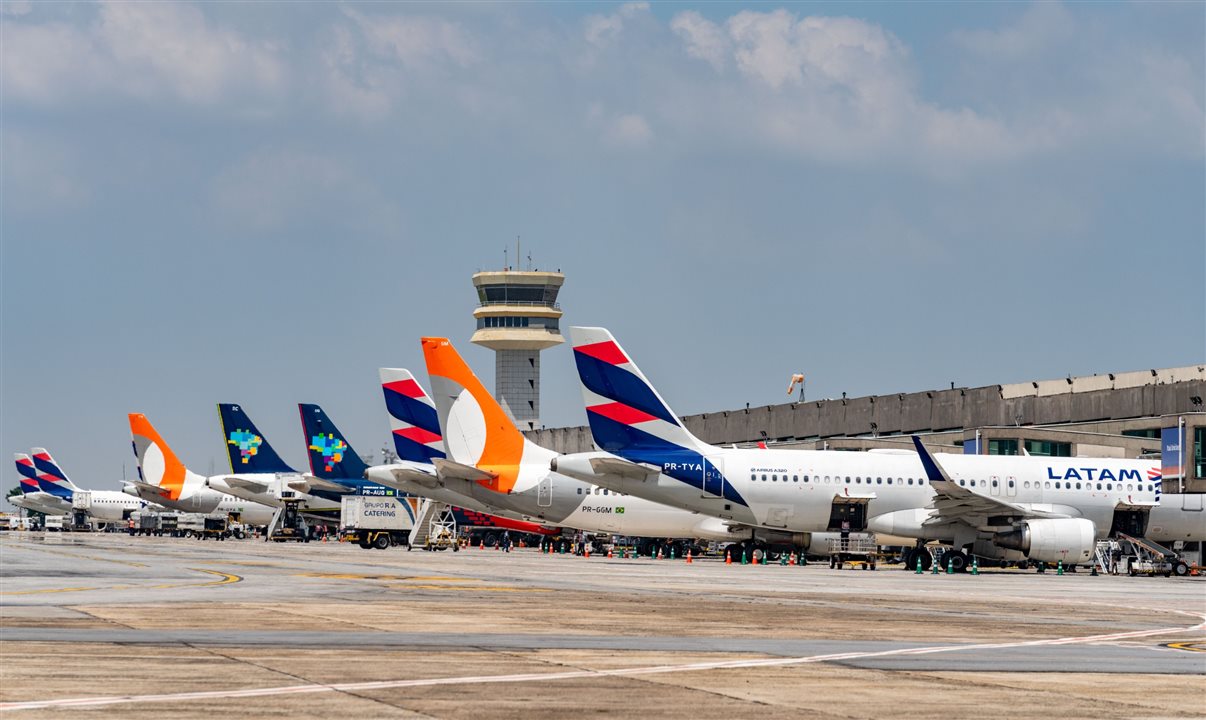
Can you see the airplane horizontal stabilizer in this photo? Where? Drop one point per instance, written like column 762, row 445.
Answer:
column 623, row 468
column 309, row 483
column 458, row 471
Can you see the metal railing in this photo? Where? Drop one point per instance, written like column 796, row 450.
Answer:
column 521, row 303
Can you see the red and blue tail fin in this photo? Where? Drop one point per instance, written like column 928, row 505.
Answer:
column 628, row 417
column 624, row 409
column 29, row 476
column 51, row 477
column 249, row 451
column 413, row 420
column 331, row 455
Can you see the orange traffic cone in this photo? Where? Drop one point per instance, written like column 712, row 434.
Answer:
column 689, row 560
column 728, row 558
column 791, row 559
column 659, row 554
column 609, row 554
column 586, row 552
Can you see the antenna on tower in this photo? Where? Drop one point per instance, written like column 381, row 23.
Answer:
column 505, row 258
column 518, row 257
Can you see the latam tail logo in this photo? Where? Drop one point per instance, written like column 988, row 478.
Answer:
column 331, row 447
column 248, row 444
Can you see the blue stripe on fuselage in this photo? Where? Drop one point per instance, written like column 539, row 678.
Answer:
column 687, row 466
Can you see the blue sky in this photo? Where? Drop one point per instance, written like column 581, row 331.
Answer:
column 263, row 203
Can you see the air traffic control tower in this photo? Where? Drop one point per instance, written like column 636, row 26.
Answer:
column 517, row 317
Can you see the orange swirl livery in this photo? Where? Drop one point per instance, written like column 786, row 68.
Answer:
column 478, row 431
column 157, row 464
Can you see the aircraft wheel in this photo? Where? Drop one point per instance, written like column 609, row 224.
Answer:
column 957, row 560
column 909, row 559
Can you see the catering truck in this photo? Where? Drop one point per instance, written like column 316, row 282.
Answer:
column 376, row 522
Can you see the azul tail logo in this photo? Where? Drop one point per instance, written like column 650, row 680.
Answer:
column 51, row 477
column 29, row 476
column 414, row 423
column 629, row 419
column 331, row 448
column 247, row 443
column 331, row 455
column 246, row 446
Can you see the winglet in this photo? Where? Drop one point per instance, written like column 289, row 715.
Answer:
column 933, row 471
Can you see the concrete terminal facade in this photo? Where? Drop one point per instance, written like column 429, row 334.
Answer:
column 1112, row 415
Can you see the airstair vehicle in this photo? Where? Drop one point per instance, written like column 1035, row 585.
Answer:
column 435, row 527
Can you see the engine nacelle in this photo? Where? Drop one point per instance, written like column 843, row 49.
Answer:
column 1071, row 540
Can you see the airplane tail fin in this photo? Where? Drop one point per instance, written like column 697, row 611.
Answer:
column 413, row 421
column 477, row 431
column 331, row 455
column 627, row 415
column 249, row 451
column 50, row 476
column 29, row 476
column 157, row 464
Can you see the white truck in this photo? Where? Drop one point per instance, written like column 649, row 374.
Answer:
column 375, row 522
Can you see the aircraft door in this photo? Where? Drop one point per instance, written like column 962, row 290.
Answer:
column 994, row 485
column 713, row 477
column 544, row 492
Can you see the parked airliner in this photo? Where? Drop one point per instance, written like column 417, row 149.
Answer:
column 1044, row 509
column 165, row 480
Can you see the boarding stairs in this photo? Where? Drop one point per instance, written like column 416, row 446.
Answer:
column 432, row 520
column 1102, row 554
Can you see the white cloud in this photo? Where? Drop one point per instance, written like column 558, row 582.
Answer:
column 704, row 39
column 629, row 130
column 147, row 50
column 602, row 30
column 416, row 41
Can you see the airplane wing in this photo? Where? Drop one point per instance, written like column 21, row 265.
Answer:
column 623, row 468
column 403, row 473
column 449, row 469
column 955, row 503
column 310, row 482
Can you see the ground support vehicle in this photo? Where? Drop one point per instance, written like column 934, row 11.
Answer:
column 375, row 522
column 853, row 552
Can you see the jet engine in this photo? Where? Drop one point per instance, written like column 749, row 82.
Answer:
column 1071, row 540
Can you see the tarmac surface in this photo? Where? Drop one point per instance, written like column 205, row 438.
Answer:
column 112, row 625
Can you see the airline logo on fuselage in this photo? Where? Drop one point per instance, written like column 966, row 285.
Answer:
column 1087, row 473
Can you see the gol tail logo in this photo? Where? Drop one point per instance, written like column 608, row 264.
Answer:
column 332, row 449
column 248, row 443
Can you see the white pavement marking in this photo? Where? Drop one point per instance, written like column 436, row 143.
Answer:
column 575, row 674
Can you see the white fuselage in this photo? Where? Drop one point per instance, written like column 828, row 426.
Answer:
column 269, row 490
column 200, row 499
column 108, row 505
column 796, row 490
